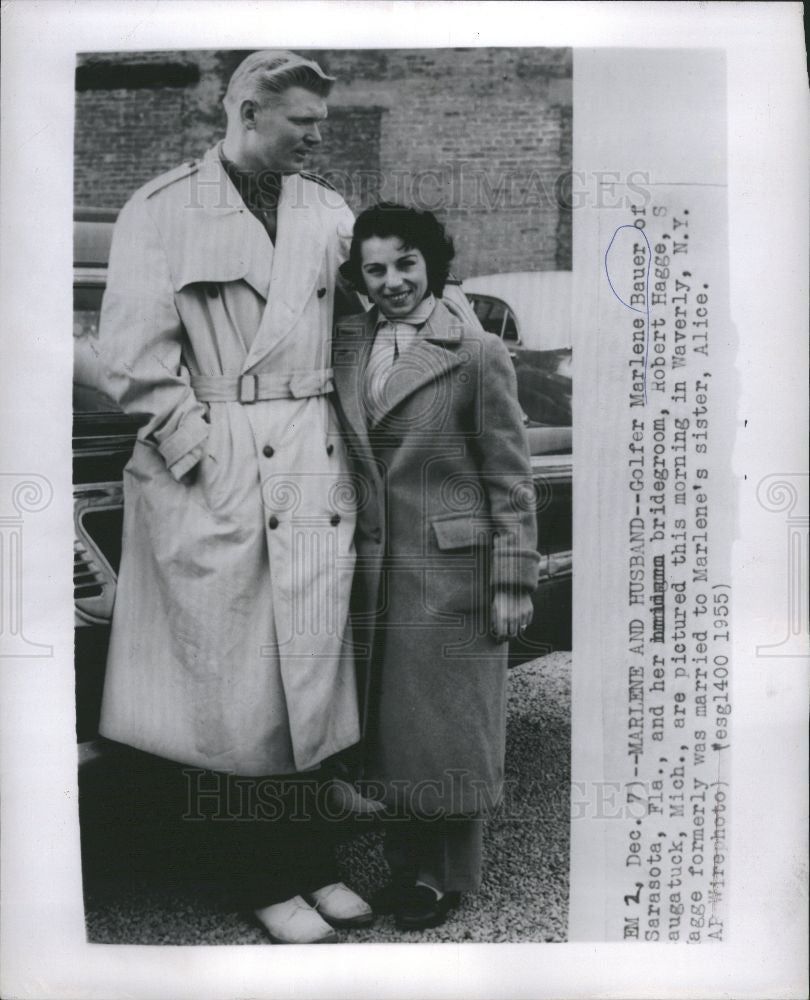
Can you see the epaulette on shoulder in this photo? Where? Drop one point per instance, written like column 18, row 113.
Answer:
column 318, row 180
column 164, row 180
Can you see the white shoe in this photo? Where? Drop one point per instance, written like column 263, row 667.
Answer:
column 340, row 906
column 294, row 922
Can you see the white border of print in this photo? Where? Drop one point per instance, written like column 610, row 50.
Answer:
column 44, row 953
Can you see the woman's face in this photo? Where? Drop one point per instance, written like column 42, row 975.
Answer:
column 395, row 275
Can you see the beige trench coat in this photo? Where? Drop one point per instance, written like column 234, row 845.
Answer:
column 230, row 637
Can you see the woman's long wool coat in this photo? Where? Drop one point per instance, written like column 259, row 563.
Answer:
column 446, row 514
column 229, row 645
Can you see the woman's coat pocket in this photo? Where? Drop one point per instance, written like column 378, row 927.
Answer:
column 460, row 532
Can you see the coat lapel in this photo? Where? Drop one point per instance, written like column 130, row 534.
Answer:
column 426, row 361
column 350, row 353
column 298, row 260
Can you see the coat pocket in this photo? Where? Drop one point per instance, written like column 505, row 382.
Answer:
column 460, row 532
column 215, row 465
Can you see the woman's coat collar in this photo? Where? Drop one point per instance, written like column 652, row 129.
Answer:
column 428, row 359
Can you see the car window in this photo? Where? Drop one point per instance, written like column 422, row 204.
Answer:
column 92, row 235
column 490, row 313
column 86, row 308
column 510, row 332
column 495, row 316
column 88, row 396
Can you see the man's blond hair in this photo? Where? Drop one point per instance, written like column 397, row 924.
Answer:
column 267, row 74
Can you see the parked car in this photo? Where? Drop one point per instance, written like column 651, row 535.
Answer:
column 103, row 438
column 528, row 309
column 531, row 313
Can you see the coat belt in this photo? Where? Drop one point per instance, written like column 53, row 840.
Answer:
column 265, row 385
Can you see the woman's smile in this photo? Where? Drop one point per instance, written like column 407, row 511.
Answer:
column 395, row 275
column 399, row 299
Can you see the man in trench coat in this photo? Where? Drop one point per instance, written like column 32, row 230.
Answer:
column 230, row 647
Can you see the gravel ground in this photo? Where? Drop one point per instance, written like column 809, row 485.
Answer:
column 524, row 896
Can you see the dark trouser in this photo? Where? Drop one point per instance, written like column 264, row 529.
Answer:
column 263, row 839
column 445, row 853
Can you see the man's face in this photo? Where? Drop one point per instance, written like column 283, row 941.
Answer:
column 395, row 275
column 286, row 131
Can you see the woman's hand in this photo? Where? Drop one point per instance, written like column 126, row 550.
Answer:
column 511, row 613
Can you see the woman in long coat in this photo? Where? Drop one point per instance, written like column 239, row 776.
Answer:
column 446, row 540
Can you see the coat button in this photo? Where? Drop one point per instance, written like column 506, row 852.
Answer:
column 321, row 292
column 376, row 535
column 334, row 520
column 268, row 451
column 273, row 523
column 329, row 449
column 211, row 291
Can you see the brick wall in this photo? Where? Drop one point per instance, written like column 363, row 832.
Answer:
column 480, row 136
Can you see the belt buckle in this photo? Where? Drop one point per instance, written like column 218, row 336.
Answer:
column 248, row 395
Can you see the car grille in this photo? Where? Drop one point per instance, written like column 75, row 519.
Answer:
column 98, row 514
column 87, row 581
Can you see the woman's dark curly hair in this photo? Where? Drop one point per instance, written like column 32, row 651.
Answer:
column 420, row 231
